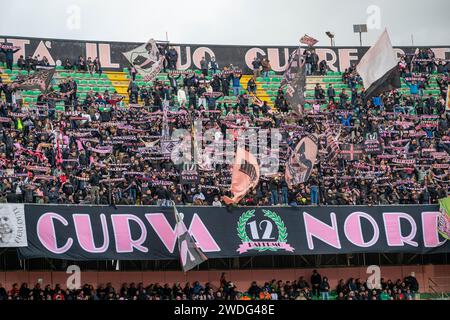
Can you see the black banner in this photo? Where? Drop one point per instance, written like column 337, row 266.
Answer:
column 189, row 55
column 148, row 233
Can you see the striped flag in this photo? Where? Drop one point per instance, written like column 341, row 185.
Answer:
column 332, row 148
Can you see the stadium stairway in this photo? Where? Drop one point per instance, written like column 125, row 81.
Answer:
column 120, row 82
column 261, row 91
column 5, row 75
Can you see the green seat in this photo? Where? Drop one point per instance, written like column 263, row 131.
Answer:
column 7, row 71
column 276, row 80
column 260, row 79
column 274, row 87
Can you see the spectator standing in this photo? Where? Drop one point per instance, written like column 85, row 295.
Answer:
column 316, row 280
column 256, row 64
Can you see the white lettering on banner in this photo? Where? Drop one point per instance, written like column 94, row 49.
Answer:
column 91, row 50
column 197, row 229
column 83, row 228
column 393, row 229
column 201, row 52
column 399, row 52
column 440, row 52
column 251, row 54
column 19, row 43
column 123, row 237
column 105, row 56
column 274, row 57
column 180, row 65
column 431, row 235
column 55, row 234
column 345, row 58
column 353, row 229
column 42, row 51
column 47, row 234
column 322, row 231
column 323, row 55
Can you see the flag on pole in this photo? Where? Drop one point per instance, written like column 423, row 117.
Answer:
column 245, row 175
column 294, row 80
column 379, row 67
column 332, row 148
column 447, row 108
column 310, row 41
column 147, row 59
column 301, row 162
column 190, row 255
column 444, row 218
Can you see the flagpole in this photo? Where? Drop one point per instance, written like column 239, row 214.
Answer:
column 302, row 111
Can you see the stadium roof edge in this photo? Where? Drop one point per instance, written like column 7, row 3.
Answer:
column 206, row 44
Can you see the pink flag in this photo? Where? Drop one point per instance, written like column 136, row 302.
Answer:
column 245, row 175
column 310, row 41
column 301, row 162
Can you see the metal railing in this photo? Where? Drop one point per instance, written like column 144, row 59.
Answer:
column 440, row 287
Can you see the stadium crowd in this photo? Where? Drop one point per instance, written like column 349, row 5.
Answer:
column 394, row 149
column 300, row 289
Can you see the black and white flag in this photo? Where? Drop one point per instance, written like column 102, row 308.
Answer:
column 38, row 80
column 294, row 80
column 147, row 59
column 379, row 67
column 190, row 255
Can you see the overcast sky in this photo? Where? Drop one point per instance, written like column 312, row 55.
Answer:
column 253, row 22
